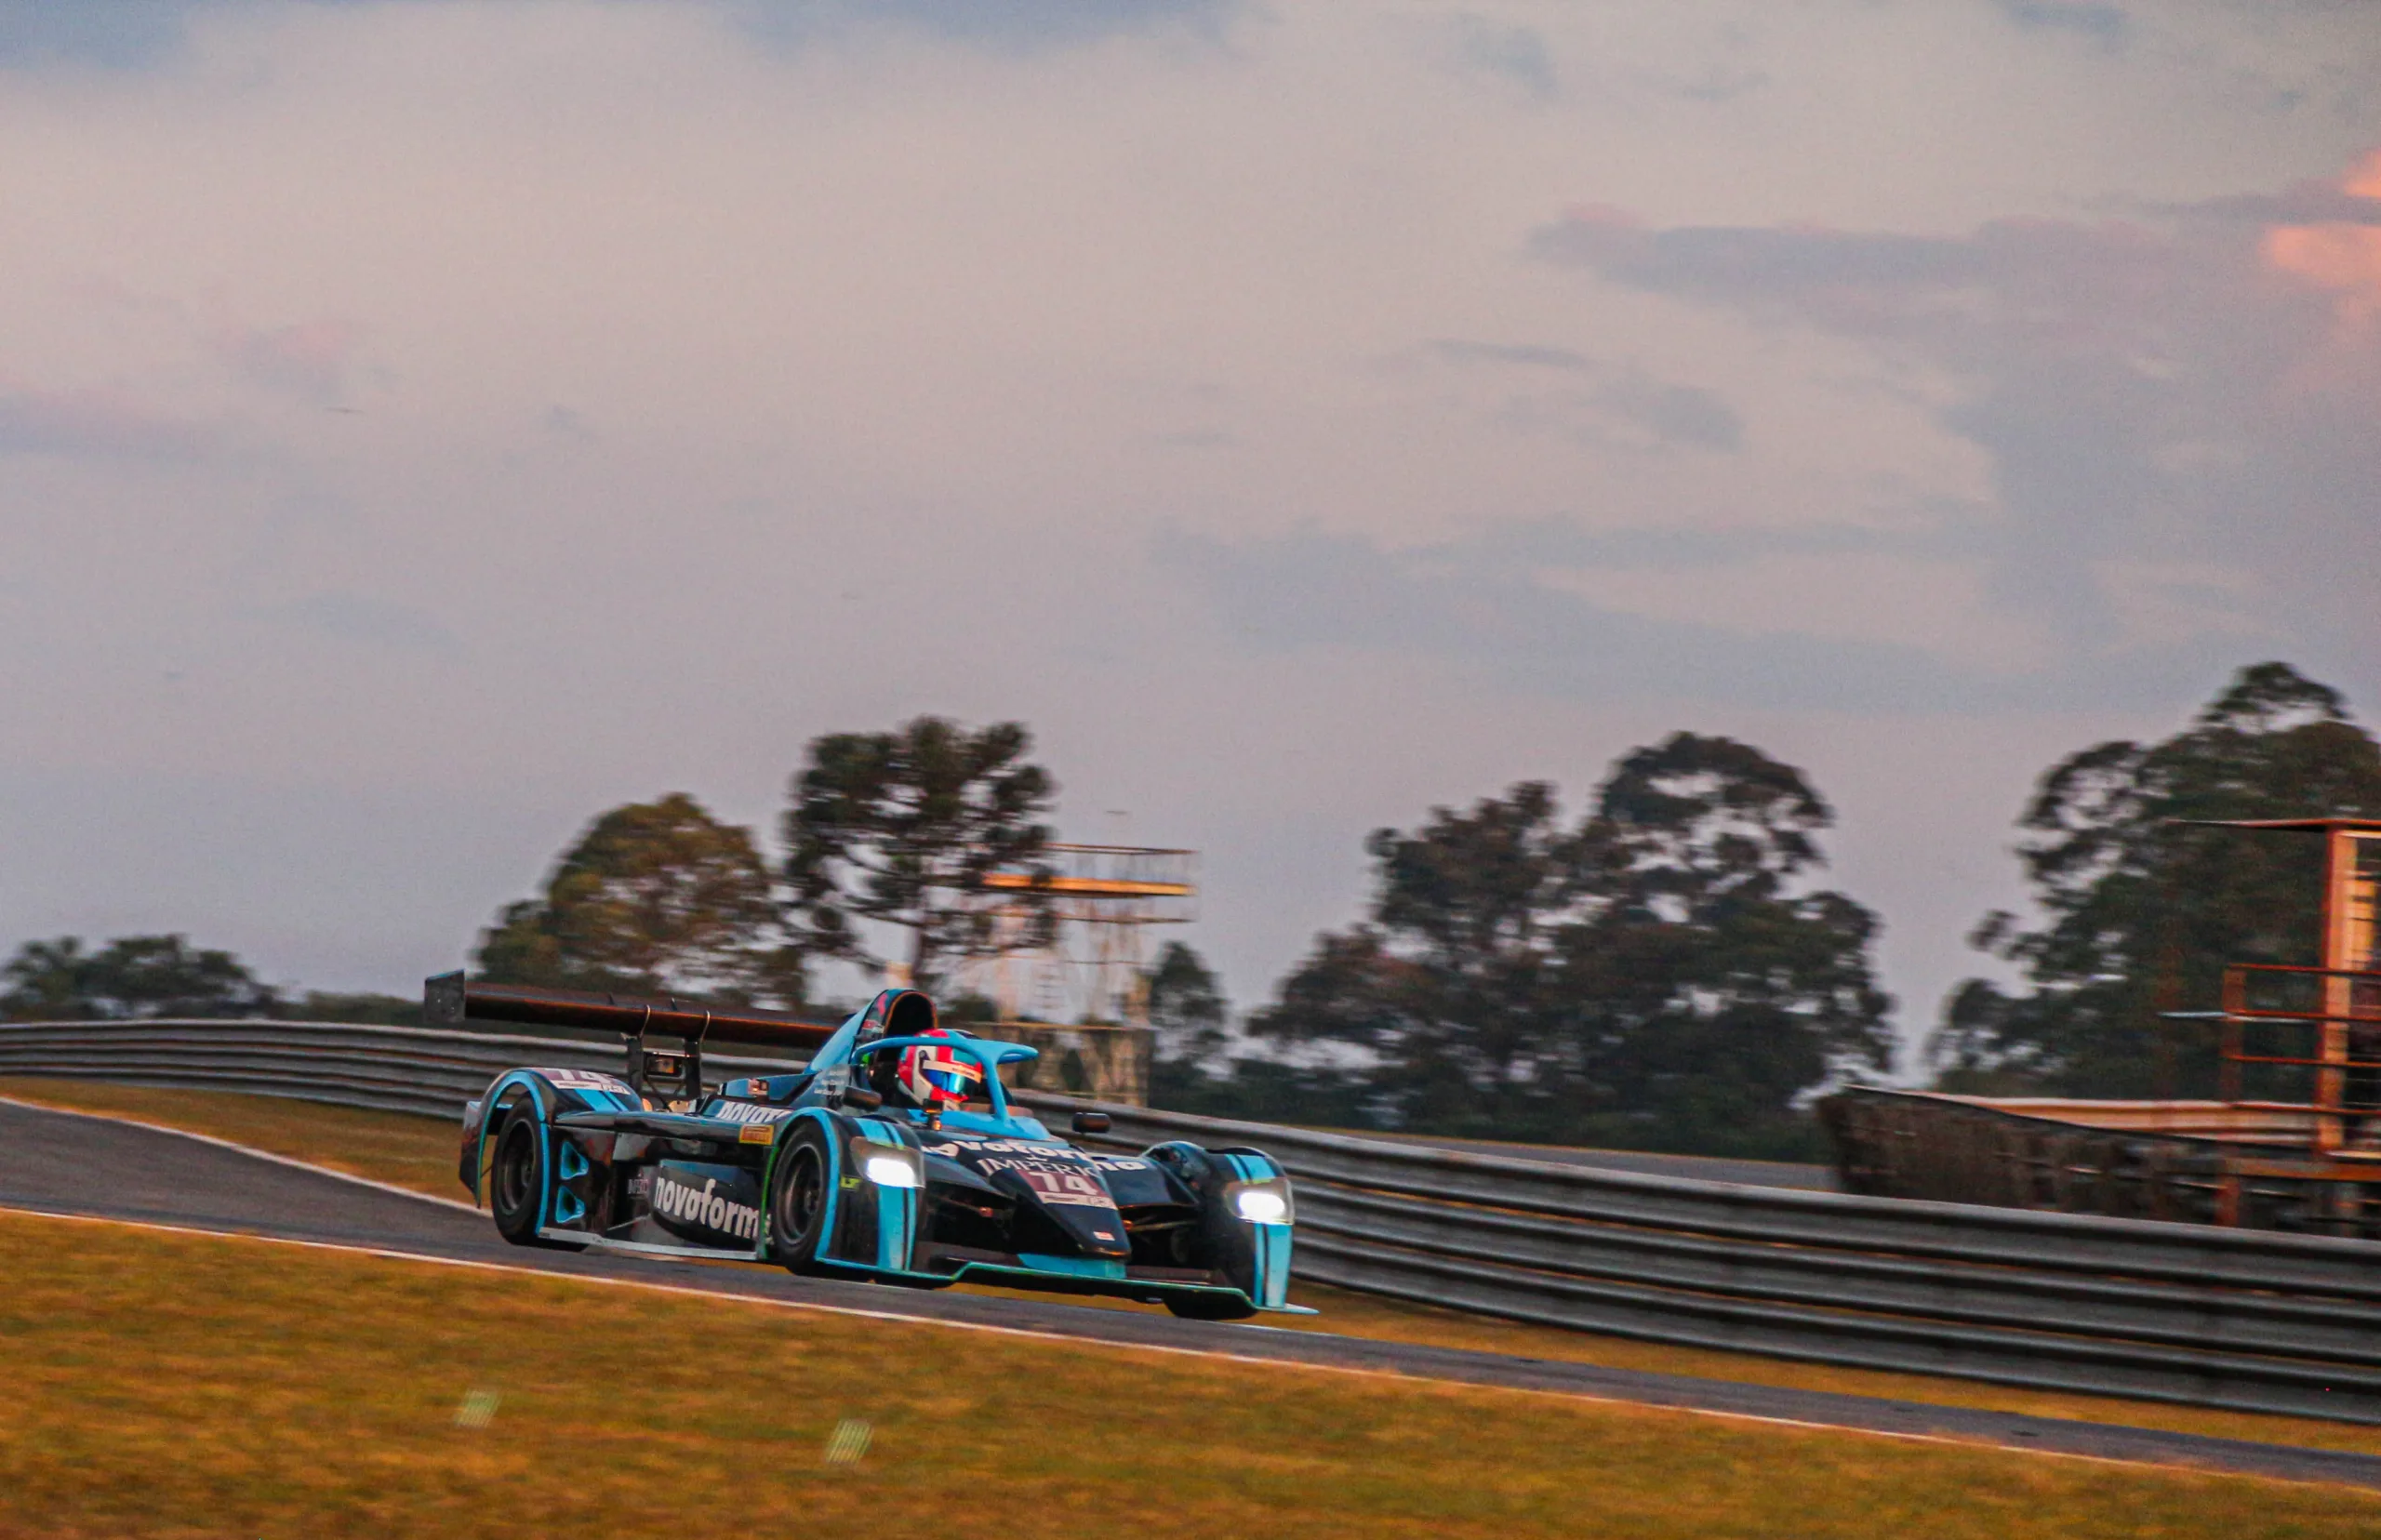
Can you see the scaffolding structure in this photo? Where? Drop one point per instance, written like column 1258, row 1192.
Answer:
column 1101, row 902
column 2305, row 1155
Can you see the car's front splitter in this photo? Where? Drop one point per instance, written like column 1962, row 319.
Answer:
column 1047, row 1281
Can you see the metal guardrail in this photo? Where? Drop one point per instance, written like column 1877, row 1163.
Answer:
column 389, row 1069
column 2248, row 1321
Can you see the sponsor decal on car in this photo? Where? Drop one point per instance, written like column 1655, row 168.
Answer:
column 587, row 1079
column 955, row 1144
column 756, row 1132
column 703, row 1205
column 745, row 1112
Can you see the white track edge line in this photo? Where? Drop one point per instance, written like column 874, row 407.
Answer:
column 2168, row 1467
column 246, row 1149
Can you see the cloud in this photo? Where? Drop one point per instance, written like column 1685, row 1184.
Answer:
column 361, row 619
column 1683, row 414
column 1625, row 406
column 1721, row 84
column 1020, row 25
column 1518, row 56
column 2102, row 22
column 117, row 34
column 2338, row 248
column 1518, row 546
column 2195, row 384
column 1455, row 350
column 130, row 35
column 308, row 360
column 92, row 424
column 1481, row 607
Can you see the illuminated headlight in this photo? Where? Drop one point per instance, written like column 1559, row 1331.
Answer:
column 891, row 1171
column 1263, row 1204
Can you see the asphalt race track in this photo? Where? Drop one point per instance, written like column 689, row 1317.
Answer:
column 72, row 1164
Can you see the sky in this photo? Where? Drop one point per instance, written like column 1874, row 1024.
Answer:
column 424, row 424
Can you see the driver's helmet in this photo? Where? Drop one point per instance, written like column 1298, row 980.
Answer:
column 937, row 1077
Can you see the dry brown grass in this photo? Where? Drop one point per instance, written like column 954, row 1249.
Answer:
column 175, row 1385
column 420, row 1153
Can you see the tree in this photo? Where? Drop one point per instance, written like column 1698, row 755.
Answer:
column 903, row 829
column 2137, row 913
column 653, row 898
column 1652, row 977
column 131, row 976
column 1187, row 1011
column 1722, row 988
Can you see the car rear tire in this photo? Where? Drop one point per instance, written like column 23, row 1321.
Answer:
column 517, row 1180
column 1210, row 1307
column 798, row 1199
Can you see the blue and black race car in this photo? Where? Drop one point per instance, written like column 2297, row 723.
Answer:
column 893, row 1154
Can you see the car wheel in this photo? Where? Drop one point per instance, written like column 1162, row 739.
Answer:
column 805, row 1182
column 517, row 1180
column 1209, row 1308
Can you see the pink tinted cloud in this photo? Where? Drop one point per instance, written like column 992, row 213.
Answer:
column 2337, row 255
column 309, row 359
column 2199, row 382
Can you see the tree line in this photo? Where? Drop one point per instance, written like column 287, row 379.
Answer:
column 1662, row 971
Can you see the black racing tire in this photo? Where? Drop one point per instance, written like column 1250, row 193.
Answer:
column 799, row 1189
column 1209, row 1306
column 517, row 1178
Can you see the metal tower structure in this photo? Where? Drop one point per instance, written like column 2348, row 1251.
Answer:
column 1105, row 898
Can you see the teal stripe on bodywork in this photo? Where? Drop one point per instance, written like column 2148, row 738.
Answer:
column 1273, row 1264
column 894, row 1215
column 1271, row 1242
column 896, row 1208
column 834, row 1186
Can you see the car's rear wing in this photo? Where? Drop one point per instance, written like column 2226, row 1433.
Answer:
column 450, row 999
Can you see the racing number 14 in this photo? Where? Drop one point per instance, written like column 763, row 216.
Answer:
column 1067, row 1186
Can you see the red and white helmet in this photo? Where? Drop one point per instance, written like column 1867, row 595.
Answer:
column 937, row 1077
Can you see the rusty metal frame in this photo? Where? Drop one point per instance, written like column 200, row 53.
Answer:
column 2312, row 1164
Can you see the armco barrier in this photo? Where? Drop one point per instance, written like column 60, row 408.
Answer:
column 2250, row 1321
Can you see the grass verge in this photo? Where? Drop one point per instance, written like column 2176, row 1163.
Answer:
column 419, row 1154
column 188, row 1385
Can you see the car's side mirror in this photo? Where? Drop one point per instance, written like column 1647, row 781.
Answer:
column 862, row 1098
column 1091, row 1122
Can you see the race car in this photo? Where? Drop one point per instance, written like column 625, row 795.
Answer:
column 894, row 1155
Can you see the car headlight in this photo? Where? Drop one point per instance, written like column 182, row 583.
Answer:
column 1263, row 1204
column 891, row 1171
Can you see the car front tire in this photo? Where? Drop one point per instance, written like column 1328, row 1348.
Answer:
column 804, row 1183
column 517, row 1180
